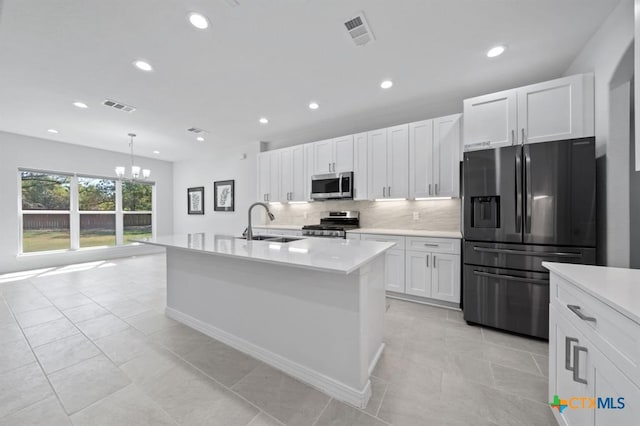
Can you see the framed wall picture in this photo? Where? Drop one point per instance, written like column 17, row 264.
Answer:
column 223, row 195
column 195, row 200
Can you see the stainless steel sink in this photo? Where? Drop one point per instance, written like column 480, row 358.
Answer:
column 273, row 238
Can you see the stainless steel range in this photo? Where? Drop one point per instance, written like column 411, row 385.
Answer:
column 333, row 224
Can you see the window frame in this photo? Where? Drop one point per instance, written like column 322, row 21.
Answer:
column 74, row 212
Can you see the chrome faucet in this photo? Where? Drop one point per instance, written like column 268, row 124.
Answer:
column 249, row 227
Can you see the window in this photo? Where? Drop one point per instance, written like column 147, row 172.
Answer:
column 63, row 211
column 46, row 208
column 97, row 206
column 136, row 206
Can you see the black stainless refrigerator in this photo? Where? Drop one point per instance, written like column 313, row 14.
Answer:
column 523, row 205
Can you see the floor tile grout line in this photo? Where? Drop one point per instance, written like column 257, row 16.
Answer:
column 322, row 411
column 384, row 394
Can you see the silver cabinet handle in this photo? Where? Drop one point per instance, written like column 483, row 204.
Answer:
column 483, row 143
column 329, row 166
column 388, row 191
column 431, row 245
column 576, row 363
column 434, row 262
column 513, row 136
column 523, row 135
column 576, row 310
column 428, row 261
column 429, row 189
column 437, row 189
column 334, row 167
column 384, row 194
column 567, row 352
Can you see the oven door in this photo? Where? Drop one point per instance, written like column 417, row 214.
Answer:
column 332, row 186
column 507, row 299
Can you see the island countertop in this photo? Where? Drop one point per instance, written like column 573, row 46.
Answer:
column 617, row 287
column 322, row 254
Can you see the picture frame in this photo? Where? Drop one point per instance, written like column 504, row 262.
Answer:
column 195, row 200
column 224, row 195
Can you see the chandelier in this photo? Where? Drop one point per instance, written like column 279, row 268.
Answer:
column 135, row 170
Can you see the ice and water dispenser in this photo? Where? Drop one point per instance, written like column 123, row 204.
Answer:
column 485, row 211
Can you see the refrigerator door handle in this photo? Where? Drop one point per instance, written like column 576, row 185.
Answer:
column 528, row 201
column 519, row 192
column 527, row 253
column 510, row 277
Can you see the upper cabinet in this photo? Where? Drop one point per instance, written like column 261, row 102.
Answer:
column 333, row 155
column 281, row 175
column 434, row 157
column 553, row 110
column 269, row 176
column 360, row 167
column 388, row 153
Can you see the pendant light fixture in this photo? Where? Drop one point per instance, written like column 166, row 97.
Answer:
column 135, row 170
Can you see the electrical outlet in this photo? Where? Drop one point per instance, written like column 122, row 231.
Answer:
column 416, row 215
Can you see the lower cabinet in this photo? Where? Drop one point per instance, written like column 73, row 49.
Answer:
column 430, row 269
column 433, row 275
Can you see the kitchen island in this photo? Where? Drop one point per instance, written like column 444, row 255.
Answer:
column 313, row 308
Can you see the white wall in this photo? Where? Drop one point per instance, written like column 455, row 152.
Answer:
column 17, row 151
column 216, row 164
column 602, row 55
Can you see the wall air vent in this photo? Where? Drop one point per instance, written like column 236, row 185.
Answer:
column 118, row 105
column 359, row 30
column 196, row 130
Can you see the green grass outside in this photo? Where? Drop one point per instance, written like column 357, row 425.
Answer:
column 34, row 241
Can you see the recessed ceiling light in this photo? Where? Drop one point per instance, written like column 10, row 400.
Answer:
column 263, row 120
column 387, row 84
column 156, row 152
column 314, row 105
column 199, row 21
column 52, row 131
column 142, row 65
column 80, row 105
column 496, row 51
column 200, row 139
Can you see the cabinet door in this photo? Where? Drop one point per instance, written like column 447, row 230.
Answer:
column 298, row 180
column 445, row 277
column 360, row 167
column 421, row 159
column 308, row 169
column 556, row 110
column 398, row 161
column 323, row 157
column 274, row 177
column 377, row 147
column 563, row 337
column 446, row 162
column 286, row 175
column 490, row 120
column 394, row 271
column 611, row 383
column 418, row 273
column 264, row 175
column 343, row 154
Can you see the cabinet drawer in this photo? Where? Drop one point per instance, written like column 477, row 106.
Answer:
column 615, row 335
column 439, row 245
column 399, row 240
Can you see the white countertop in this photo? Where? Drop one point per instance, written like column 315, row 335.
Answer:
column 322, row 254
column 617, row 287
column 408, row 232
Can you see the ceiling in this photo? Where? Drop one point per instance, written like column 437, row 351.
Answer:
column 267, row 58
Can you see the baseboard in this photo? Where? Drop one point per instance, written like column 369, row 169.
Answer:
column 322, row 382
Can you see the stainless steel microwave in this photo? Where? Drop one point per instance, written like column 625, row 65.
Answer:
column 332, row 186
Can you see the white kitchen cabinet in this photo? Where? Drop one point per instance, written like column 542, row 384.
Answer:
column 433, row 275
column 593, row 346
column 552, row 110
column 394, row 261
column 292, row 174
column 308, row 170
column 360, row 167
column 557, row 109
column 434, row 157
column 269, row 176
column 389, row 162
column 490, row 121
column 333, row 155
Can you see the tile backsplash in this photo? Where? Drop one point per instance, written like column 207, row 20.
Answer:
column 433, row 215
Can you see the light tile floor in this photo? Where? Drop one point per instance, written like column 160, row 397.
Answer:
column 89, row 344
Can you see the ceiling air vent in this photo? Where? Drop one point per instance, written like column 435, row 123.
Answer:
column 359, row 30
column 196, row 130
column 118, row 105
